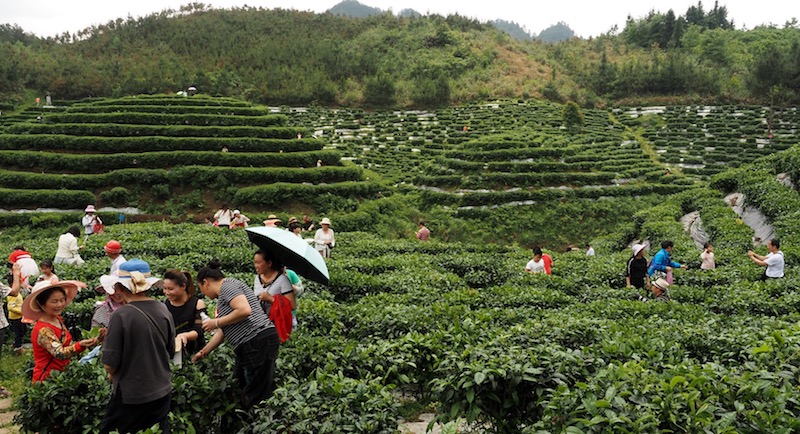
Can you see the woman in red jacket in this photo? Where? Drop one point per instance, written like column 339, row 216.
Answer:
column 52, row 342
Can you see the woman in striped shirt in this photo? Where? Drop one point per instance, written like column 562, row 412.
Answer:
column 241, row 320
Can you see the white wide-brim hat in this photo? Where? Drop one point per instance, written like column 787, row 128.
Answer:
column 661, row 283
column 133, row 275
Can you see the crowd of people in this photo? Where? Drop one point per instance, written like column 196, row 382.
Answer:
column 140, row 338
column 656, row 275
column 324, row 239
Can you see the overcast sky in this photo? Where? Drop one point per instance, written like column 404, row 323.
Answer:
column 585, row 17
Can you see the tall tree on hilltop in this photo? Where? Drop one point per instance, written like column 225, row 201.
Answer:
column 695, row 15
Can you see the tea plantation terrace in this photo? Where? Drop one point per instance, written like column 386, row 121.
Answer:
column 137, row 151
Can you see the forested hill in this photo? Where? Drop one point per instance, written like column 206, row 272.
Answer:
column 290, row 57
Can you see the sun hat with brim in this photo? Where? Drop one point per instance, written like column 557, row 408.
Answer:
column 31, row 308
column 325, row 221
column 133, row 275
column 90, row 208
column 638, row 248
column 272, row 219
column 661, row 283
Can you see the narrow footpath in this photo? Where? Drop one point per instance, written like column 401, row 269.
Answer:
column 7, row 417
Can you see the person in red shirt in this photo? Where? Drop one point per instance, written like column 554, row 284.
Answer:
column 52, row 342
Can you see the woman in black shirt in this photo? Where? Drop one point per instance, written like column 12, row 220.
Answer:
column 636, row 271
column 185, row 308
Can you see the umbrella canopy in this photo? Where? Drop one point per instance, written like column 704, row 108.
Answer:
column 292, row 251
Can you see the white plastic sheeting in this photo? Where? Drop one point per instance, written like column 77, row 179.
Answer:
column 752, row 217
column 693, row 225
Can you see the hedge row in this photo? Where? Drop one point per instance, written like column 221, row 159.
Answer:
column 98, row 163
column 431, row 198
column 67, row 199
column 133, row 118
column 115, row 130
column 171, row 100
column 492, row 143
column 59, row 142
column 279, row 194
column 168, row 109
column 517, row 179
column 198, row 176
column 549, row 166
column 536, row 166
column 40, row 220
column 512, row 154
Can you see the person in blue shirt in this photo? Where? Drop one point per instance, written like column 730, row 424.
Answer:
column 662, row 262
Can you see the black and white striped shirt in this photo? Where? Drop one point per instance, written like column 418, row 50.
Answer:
column 248, row 328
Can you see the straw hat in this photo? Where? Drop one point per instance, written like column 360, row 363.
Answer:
column 325, row 221
column 271, row 220
column 133, row 275
column 30, row 306
column 89, row 208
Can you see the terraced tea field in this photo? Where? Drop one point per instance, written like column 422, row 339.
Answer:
column 502, row 153
column 142, row 151
column 706, row 140
column 454, row 327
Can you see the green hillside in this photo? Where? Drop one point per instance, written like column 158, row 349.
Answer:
column 509, row 170
column 296, row 58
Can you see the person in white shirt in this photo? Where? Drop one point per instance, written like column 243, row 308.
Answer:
column 707, row 257
column 773, row 261
column 8, row 291
column 90, row 220
column 113, row 250
column 239, row 220
column 589, row 250
column 324, row 239
column 536, row 264
column 68, row 248
column 223, row 217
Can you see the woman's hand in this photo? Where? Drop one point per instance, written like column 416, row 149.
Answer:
column 101, row 336
column 184, row 337
column 199, row 355
column 264, row 296
column 88, row 343
column 210, row 324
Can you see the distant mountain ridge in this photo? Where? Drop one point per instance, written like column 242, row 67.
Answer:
column 555, row 33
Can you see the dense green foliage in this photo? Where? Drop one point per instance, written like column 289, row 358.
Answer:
column 403, row 59
column 460, row 324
